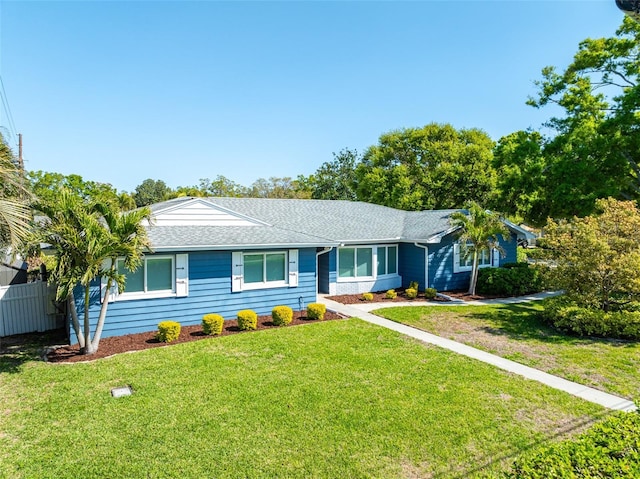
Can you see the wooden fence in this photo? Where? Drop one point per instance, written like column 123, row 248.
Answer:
column 26, row 308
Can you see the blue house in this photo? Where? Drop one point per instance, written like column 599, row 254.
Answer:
column 221, row 255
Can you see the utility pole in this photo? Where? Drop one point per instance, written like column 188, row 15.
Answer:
column 20, row 160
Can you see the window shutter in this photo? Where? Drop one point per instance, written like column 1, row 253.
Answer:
column 496, row 257
column 456, row 257
column 182, row 275
column 237, row 270
column 293, row 268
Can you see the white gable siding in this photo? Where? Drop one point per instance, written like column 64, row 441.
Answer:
column 198, row 213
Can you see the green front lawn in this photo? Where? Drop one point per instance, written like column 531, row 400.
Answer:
column 516, row 332
column 336, row 399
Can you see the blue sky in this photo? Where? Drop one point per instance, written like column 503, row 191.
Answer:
column 121, row 91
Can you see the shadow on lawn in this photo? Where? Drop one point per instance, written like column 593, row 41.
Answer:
column 22, row 348
column 524, row 321
column 481, row 468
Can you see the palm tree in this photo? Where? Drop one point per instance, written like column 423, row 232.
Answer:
column 479, row 230
column 15, row 214
column 88, row 236
column 129, row 240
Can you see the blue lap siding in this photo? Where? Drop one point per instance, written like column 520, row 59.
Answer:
column 209, row 292
column 441, row 275
column 411, row 264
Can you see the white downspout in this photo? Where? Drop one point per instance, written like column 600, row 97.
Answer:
column 426, row 262
column 324, row 250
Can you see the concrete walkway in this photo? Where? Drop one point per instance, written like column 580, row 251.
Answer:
column 367, row 306
column 589, row 394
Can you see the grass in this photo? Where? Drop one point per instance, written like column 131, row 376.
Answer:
column 516, row 332
column 337, row 399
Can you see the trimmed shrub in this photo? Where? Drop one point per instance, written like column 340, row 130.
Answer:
column 168, row 331
column 430, row 293
column 316, row 311
column 391, row 294
column 247, row 320
column 413, row 285
column 367, row 296
column 212, row 324
column 566, row 316
column 282, row 315
column 610, row 448
column 411, row 293
column 512, row 279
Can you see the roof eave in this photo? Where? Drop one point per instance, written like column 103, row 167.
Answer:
column 521, row 232
column 229, row 247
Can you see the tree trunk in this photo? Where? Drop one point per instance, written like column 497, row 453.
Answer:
column 74, row 319
column 474, row 273
column 88, row 347
column 103, row 314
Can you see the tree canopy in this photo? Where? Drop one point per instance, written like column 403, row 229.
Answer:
column 151, row 191
column 432, row 167
column 598, row 256
column 336, row 180
column 15, row 214
column 593, row 149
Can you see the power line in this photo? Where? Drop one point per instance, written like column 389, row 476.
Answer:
column 5, row 106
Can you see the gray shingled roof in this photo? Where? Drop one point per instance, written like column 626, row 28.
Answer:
column 221, row 237
column 301, row 222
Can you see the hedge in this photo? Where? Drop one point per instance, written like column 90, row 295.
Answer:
column 512, row 279
column 610, row 448
column 568, row 317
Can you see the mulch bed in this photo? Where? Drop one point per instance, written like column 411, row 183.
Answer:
column 379, row 297
column 140, row 341
column 465, row 296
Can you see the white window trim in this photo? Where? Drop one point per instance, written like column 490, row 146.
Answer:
column 290, row 274
column 458, row 268
column 152, row 294
column 266, row 284
column 374, row 265
column 181, row 276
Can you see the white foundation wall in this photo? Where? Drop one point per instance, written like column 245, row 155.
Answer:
column 359, row 287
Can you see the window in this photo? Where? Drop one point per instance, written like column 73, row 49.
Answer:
column 387, row 260
column 367, row 262
column 158, row 276
column 355, row 262
column 465, row 263
column 155, row 274
column 264, row 267
column 268, row 269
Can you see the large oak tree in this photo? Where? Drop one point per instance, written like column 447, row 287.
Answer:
column 432, row 167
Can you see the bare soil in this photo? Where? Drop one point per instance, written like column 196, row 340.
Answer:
column 140, row 341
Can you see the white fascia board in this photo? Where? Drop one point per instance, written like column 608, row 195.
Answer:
column 371, row 241
column 521, row 231
column 166, row 249
column 437, row 238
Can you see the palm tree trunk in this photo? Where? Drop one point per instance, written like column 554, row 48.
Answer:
column 474, row 273
column 103, row 314
column 74, row 319
column 88, row 347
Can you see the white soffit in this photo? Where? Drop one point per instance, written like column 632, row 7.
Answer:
column 202, row 213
